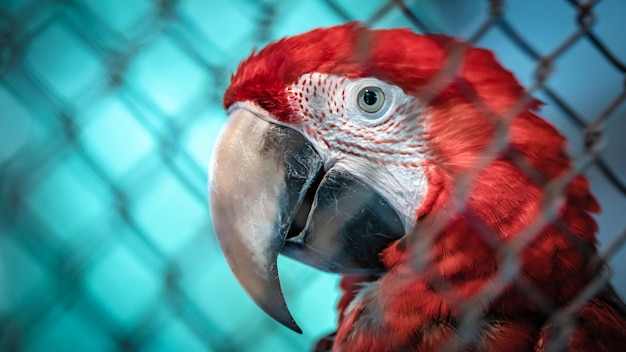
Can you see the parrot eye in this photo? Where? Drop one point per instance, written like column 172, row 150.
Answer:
column 371, row 99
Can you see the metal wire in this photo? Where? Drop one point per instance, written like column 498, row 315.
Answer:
column 74, row 214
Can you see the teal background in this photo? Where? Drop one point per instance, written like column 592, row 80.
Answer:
column 108, row 113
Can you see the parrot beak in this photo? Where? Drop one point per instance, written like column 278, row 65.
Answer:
column 269, row 194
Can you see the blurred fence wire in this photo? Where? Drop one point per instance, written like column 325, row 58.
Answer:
column 108, row 114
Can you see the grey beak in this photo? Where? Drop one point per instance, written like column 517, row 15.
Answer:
column 259, row 175
column 268, row 194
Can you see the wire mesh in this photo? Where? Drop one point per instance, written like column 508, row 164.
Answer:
column 108, row 114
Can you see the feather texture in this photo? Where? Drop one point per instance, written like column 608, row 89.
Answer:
column 471, row 101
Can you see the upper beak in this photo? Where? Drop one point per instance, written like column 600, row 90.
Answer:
column 270, row 194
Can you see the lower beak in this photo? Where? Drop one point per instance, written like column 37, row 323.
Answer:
column 269, row 194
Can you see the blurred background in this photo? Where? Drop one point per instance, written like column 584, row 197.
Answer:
column 108, row 113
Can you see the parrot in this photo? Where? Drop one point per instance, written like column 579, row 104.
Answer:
column 417, row 168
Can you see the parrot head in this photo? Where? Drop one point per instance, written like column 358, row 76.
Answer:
column 340, row 141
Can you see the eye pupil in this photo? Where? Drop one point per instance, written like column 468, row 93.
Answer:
column 370, row 97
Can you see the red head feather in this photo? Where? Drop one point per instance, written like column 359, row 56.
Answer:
column 468, row 94
column 416, row 63
column 464, row 110
column 396, row 56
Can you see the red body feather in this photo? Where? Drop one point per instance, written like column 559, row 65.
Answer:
column 470, row 95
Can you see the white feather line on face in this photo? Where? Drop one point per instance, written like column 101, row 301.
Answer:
column 384, row 149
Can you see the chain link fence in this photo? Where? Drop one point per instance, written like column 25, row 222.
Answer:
column 108, row 114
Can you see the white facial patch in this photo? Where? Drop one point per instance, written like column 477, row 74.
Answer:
column 381, row 143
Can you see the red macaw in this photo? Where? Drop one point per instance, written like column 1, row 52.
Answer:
column 415, row 166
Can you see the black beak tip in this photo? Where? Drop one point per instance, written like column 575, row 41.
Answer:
column 293, row 326
column 273, row 303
